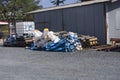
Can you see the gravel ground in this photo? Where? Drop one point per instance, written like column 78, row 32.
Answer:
column 24, row 64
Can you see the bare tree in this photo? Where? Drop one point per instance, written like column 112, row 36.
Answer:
column 57, row 2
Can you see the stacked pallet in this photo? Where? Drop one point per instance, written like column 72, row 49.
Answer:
column 28, row 41
column 88, row 41
column 114, row 41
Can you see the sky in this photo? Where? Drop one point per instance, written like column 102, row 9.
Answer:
column 46, row 3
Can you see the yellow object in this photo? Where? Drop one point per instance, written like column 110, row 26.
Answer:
column 46, row 29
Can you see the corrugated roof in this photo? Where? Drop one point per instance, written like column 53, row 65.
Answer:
column 67, row 6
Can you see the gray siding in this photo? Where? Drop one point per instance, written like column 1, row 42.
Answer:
column 86, row 20
column 52, row 20
column 114, row 20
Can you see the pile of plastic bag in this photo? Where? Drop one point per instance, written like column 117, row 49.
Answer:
column 60, row 41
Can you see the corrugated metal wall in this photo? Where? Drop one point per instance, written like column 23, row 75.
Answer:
column 51, row 19
column 86, row 20
column 114, row 20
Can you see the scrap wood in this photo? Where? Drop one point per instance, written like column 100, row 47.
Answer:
column 88, row 41
column 105, row 47
column 109, row 48
column 28, row 39
column 117, row 40
column 99, row 46
column 117, row 49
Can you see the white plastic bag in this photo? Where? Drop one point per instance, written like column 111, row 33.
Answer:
column 53, row 37
column 37, row 33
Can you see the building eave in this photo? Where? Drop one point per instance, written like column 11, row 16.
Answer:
column 67, row 6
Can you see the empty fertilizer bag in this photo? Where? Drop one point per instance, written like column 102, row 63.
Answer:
column 49, row 41
column 41, row 40
column 73, row 38
column 66, row 44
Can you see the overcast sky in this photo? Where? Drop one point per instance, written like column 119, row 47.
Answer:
column 46, row 3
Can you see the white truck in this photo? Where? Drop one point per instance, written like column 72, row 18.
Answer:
column 24, row 28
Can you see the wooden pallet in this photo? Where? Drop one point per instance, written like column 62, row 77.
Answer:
column 28, row 41
column 88, row 41
column 105, row 47
column 114, row 40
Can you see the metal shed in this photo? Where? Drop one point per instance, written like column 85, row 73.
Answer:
column 87, row 18
column 113, row 20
